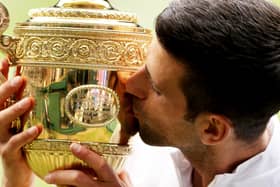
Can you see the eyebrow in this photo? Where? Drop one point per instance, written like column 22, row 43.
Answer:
column 147, row 72
column 151, row 80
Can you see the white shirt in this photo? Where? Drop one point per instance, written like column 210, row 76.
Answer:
column 150, row 166
column 262, row 170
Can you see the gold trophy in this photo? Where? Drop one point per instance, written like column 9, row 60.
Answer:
column 73, row 55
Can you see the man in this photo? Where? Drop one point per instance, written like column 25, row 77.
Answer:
column 210, row 86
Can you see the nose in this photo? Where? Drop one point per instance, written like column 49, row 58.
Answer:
column 137, row 84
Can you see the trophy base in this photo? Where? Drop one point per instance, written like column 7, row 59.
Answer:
column 46, row 155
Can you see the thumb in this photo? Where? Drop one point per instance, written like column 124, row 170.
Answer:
column 124, row 177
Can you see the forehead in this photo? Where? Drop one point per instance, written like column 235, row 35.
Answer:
column 162, row 66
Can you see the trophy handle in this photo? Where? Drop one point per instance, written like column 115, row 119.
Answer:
column 7, row 43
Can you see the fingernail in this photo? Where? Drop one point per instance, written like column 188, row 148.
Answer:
column 32, row 130
column 47, row 178
column 24, row 102
column 15, row 81
column 75, row 147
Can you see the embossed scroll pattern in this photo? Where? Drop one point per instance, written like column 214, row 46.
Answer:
column 90, row 51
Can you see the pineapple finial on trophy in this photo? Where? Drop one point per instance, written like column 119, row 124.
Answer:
column 95, row 4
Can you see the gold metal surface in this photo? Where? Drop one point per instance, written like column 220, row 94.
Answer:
column 71, row 55
column 4, row 18
column 92, row 105
column 88, row 38
column 7, row 43
column 74, row 104
column 96, row 4
column 56, row 155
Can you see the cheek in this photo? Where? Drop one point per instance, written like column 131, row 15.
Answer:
column 169, row 107
column 160, row 109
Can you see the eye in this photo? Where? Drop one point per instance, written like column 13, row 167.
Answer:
column 155, row 89
column 148, row 76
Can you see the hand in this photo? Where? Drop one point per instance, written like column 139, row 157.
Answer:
column 129, row 124
column 16, row 171
column 100, row 174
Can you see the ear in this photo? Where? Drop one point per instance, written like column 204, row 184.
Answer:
column 214, row 129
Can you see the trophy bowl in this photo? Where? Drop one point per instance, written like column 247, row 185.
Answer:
column 75, row 57
column 56, row 155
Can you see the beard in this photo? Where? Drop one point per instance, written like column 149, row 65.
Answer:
column 148, row 127
column 152, row 136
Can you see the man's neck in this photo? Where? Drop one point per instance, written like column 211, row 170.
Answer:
column 224, row 159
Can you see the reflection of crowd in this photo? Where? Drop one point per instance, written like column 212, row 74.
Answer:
column 85, row 103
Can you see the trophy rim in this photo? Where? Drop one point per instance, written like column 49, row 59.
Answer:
column 63, row 146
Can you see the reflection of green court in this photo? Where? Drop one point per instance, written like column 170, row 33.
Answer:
column 99, row 134
column 49, row 105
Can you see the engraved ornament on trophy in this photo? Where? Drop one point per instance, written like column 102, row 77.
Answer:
column 73, row 55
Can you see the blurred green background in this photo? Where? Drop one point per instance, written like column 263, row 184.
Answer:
column 146, row 11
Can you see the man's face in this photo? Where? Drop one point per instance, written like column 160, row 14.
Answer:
column 159, row 103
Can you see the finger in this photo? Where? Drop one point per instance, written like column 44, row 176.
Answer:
column 129, row 124
column 103, row 171
column 123, row 76
column 19, row 140
column 113, row 80
column 129, row 128
column 70, row 177
column 5, row 67
column 10, row 87
column 20, row 91
column 16, row 110
column 124, row 177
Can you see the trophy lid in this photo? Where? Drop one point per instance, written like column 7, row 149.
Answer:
column 87, row 34
column 92, row 14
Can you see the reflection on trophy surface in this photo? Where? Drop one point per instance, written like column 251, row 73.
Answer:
column 74, row 56
column 73, row 105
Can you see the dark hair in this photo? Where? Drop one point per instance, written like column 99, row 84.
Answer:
column 231, row 52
